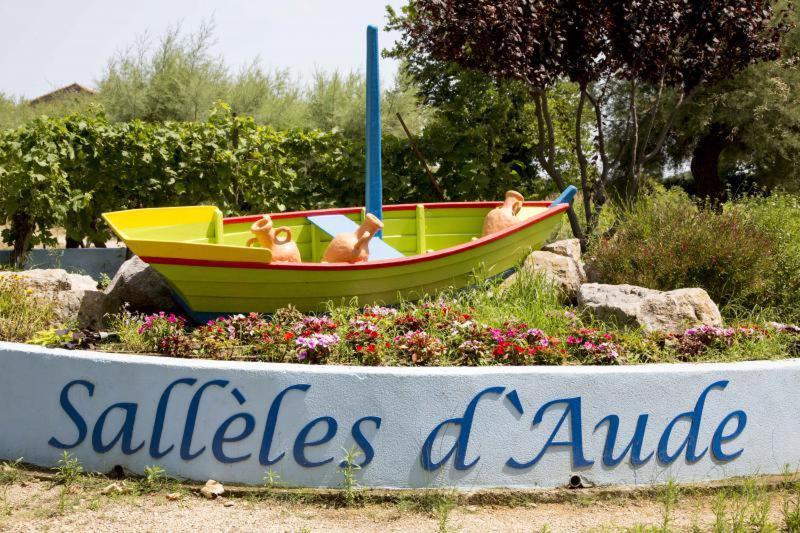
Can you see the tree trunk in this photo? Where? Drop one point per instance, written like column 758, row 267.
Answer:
column 705, row 163
column 22, row 227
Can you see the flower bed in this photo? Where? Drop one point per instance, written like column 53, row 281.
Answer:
column 432, row 334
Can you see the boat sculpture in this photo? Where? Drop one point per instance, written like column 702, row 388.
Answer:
column 206, row 261
column 420, row 249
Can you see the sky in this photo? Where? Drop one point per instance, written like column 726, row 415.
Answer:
column 46, row 44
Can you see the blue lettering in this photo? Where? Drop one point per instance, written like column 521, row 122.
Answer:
column 191, row 419
column 573, row 410
column 72, row 413
column 719, row 439
column 361, row 440
column 161, row 411
column 125, row 432
column 690, row 442
column 635, row 446
column 300, row 442
column 460, row 446
column 272, row 421
column 220, row 439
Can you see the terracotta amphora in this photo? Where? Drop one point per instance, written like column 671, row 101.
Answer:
column 352, row 247
column 504, row 216
column 283, row 249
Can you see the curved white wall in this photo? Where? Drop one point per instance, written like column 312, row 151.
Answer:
column 233, row 421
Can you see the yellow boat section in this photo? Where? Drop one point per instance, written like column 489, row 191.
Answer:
column 206, row 261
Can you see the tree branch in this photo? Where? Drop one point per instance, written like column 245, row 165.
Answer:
column 633, row 111
column 653, row 114
column 599, row 190
column 668, row 126
column 544, row 121
column 582, row 165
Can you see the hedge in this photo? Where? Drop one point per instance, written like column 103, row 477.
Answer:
column 65, row 172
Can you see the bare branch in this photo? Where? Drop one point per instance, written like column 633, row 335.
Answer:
column 667, row 127
column 601, row 141
column 653, row 114
column 633, row 110
column 548, row 163
column 582, row 165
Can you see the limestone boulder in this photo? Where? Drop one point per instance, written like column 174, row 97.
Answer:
column 562, row 270
column 86, row 307
column 53, row 280
column 649, row 309
column 141, row 287
column 75, row 297
column 567, row 247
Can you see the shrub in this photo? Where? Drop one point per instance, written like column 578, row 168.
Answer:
column 22, row 312
column 665, row 241
column 778, row 216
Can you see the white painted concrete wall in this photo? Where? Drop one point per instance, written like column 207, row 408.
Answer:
column 410, row 403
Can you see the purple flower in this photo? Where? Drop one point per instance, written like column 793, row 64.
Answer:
column 318, row 340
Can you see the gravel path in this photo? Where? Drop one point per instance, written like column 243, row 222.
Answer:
column 35, row 505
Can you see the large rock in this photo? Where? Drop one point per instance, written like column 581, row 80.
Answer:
column 141, row 287
column 75, row 297
column 567, row 247
column 562, row 270
column 53, row 280
column 649, row 309
column 86, row 307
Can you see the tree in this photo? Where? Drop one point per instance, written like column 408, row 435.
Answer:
column 745, row 126
column 648, row 47
column 480, row 131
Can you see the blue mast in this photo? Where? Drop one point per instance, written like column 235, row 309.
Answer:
column 374, row 187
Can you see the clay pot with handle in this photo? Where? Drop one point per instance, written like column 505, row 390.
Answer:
column 504, row 216
column 352, row 247
column 283, row 249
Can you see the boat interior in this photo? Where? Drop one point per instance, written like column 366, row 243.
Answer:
column 410, row 229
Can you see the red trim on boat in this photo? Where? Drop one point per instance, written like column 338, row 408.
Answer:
column 355, row 210
column 383, row 263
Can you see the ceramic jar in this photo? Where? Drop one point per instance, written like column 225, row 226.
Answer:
column 283, row 249
column 352, row 247
column 504, row 216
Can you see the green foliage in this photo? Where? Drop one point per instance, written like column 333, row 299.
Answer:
column 154, row 479
column 755, row 115
column 179, row 78
column 51, row 337
column 791, row 510
column 742, row 508
column 67, row 171
column 481, row 134
column 272, row 479
column 15, row 112
column 35, row 192
column 11, row 472
column 348, row 467
column 665, row 241
column 22, row 312
column 69, row 469
column 778, row 216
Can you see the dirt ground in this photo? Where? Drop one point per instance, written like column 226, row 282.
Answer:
column 33, row 501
